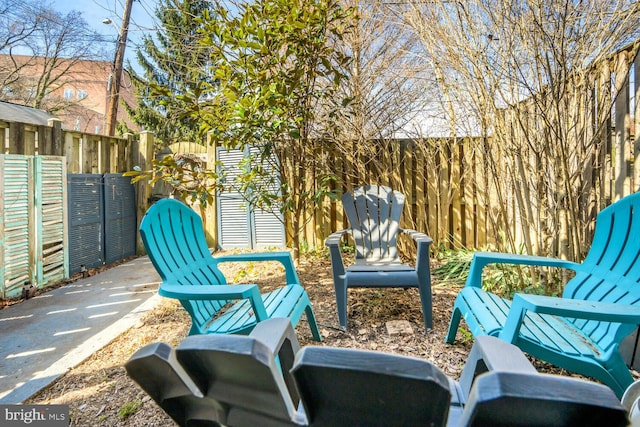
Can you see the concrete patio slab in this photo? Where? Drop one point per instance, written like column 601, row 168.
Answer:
column 43, row 337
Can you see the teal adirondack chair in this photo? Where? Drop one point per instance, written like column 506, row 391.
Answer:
column 582, row 330
column 374, row 218
column 173, row 236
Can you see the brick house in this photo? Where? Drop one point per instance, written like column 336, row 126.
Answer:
column 78, row 92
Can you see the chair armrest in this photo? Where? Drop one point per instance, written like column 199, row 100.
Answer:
column 216, row 293
column 565, row 307
column 417, row 236
column 482, row 259
column 274, row 332
column 278, row 335
column 333, row 243
column 334, row 238
column 492, row 354
column 213, row 292
column 422, row 252
column 283, row 258
column 576, row 308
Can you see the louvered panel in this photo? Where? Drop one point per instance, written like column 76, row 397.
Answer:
column 233, row 221
column 228, row 170
column 269, row 230
column 237, row 226
column 52, row 230
column 15, row 232
column 120, row 217
column 85, row 219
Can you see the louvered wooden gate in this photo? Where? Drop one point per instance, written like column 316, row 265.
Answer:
column 33, row 228
column 239, row 226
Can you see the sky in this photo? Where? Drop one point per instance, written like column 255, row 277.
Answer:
column 95, row 11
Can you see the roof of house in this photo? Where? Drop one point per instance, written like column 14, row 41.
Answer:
column 19, row 113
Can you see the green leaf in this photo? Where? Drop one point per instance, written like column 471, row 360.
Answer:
column 294, row 133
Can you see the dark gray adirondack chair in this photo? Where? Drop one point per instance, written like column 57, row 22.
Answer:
column 374, row 213
column 264, row 379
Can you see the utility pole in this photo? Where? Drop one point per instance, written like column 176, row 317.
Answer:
column 116, row 76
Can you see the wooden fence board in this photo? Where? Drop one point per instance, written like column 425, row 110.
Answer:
column 420, row 199
column 622, row 149
column 409, row 179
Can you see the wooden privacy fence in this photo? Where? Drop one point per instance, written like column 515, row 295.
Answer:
column 441, row 178
column 535, row 185
column 33, row 195
column 458, row 192
column 534, row 182
column 85, row 153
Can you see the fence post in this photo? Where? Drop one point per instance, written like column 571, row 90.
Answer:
column 51, row 139
column 144, row 155
column 16, row 136
column 210, row 216
column 129, row 150
column 72, row 152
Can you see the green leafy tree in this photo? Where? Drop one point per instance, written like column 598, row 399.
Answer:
column 173, row 63
column 275, row 69
column 278, row 66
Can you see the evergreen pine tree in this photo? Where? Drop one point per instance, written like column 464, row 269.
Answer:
column 173, row 63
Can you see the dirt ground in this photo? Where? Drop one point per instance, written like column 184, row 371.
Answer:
column 99, row 393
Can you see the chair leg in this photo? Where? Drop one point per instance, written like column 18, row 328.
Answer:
column 427, row 305
column 616, row 375
column 313, row 324
column 340, row 287
column 453, row 325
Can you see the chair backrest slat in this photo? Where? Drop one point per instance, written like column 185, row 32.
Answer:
column 611, row 269
column 374, row 214
column 225, row 367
